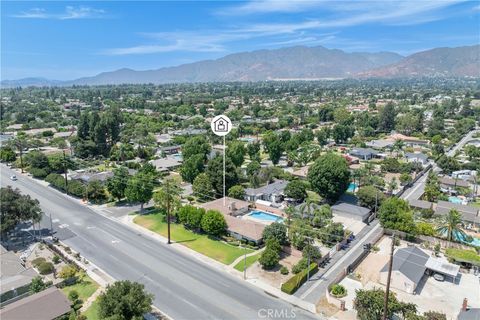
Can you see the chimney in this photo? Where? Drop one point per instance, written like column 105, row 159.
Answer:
column 465, row 304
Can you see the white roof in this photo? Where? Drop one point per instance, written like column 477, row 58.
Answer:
column 442, row 266
column 265, row 203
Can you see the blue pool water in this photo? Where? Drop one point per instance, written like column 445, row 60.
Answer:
column 178, row 156
column 462, row 237
column 455, row 200
column 265, row 216
column 352, row 187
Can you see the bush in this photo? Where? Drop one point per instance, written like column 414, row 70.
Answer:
column 36, row 262
column 45, row 268
column 214, row 223
column 76, row 188
column 292, row 284
column 284, row 270
column 338, row 291
column 56, row 259
column 301, row 265
column 271, row 255
column 73, row 296
column 68, row 272
column 38, row 173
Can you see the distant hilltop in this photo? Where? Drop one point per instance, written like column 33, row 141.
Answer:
column 299, row 63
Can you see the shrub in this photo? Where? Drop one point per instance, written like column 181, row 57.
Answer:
column 45, row 268
column 337, row 290
column 214, row 223
column 73, row 296
column 36, row 262
column 68, row 272
column 301, row 265
column 38, row 173
column 292, row 284
column 284, row 270
column 56, row 259
column 76, row 188
column 270, row 256
column 312, row 251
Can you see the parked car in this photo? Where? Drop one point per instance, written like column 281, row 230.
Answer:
column 439, row 277
column 13, row 178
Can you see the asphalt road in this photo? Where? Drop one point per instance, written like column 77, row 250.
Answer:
column 184, row 287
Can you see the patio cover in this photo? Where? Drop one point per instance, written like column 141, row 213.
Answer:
column 442, row 267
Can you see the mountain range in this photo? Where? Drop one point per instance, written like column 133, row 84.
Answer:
column 293, row 63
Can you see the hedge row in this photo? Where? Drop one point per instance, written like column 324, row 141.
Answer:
column 297, row 280
column 75, row 188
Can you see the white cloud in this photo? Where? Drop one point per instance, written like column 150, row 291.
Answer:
column 69, row 13
column 340, row 14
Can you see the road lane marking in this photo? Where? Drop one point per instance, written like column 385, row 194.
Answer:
column 64, row 225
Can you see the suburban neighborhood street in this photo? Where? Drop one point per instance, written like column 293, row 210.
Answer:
column 184, row 287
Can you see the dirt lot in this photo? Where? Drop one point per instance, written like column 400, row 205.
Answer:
column 273, row 277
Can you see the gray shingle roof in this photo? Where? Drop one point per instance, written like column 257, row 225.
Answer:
column 46, row 305
column 275, row 187
column 410, row 262
column 351, row 209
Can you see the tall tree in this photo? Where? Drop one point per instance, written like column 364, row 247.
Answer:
column 236, row 152
column 215, row 173
column 16, row 208
column 202, row 187
column 117, row 184
column 139, row 189
column 124, row 300
column 387, row 118
column 329, row 176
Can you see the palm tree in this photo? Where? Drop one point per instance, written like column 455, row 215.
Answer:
column 398, row 145
column 452, row 226
column 308, row 207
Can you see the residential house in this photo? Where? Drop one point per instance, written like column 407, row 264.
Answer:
column 447, row 182
column 48, row 304
column 88, row 176
column 169, row 163
column 171, row 149
column 272, row 192
column 15, row 279
column 469, row 213
column 233, row 210
column 408, row 269
column 351, row 211
column 363, row 153
column 417, row 157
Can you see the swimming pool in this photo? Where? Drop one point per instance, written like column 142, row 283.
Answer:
column 265, row 216
column 456, row 200
column 178, row 156
column 352, row 187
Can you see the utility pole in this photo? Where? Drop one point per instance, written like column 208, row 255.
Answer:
column 390, row 265
column 168, row 207
column 65, row 172
column 51, row 226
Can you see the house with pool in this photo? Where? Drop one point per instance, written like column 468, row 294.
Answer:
column 245, row 221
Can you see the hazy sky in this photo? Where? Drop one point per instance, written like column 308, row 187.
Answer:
column 66, row 40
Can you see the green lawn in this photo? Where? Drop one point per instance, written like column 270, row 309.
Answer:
column 85, row 287
column 460, row 255
column 250, row 260
column 92, row 311
column 214, row 249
